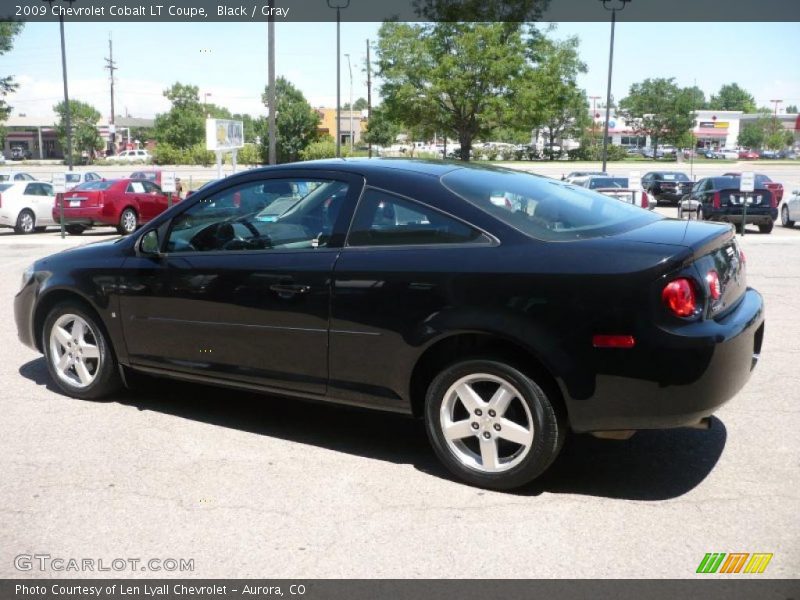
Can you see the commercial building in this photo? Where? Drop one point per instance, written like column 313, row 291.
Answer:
column 356, row 118
column 37, row 135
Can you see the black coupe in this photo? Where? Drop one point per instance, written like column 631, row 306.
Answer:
column 502, row 307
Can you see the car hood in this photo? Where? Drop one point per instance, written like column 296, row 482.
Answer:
column 112, row 250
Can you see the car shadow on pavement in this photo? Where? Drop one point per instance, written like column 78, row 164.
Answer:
column 652, row 465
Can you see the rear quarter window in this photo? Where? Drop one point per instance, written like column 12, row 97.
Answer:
column 544, row 208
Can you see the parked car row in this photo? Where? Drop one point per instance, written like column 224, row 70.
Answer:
column 28, row 205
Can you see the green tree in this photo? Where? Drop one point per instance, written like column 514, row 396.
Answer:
column 183, row 125
column 8, row 31
column 297, row 123
column 698, row 97
column 751, row 135
column 360, row 104
column 381, row 129
column 450, row 76
column 548, row 97
column 83, row 123
column 660, row 109
column 732, row 97
column 791, row 109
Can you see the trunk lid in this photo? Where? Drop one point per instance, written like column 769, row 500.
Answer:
column 712, row 246
column 83, row 199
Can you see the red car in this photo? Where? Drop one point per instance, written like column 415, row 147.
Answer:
column 154, row 175
column 121, row 203
column 749, row 155
column 762, row 180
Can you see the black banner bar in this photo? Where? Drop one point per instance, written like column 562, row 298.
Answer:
column 402, row 10
column 713, row 588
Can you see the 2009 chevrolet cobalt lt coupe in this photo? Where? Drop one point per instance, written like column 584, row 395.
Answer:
column 502, row 307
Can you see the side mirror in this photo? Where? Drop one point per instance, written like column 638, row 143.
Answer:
column 149, row 243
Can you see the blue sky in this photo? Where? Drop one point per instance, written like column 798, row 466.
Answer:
column 228, row 60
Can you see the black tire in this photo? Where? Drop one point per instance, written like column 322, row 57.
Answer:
column 41, row 229
column 75, row 229
column 767, row 228
column 785, row 221
column 699, row 213
column 26, row 222
column 128, row 221
column 103, row 370
column 530, row 403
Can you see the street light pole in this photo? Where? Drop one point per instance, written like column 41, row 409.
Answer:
column 610, row 67
column 352, row 133
column 338, row 6
column 272, row 157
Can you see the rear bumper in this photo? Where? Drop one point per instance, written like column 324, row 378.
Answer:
column 682, row 376
column 758, row 216
column 86, row 216
column 670, row 196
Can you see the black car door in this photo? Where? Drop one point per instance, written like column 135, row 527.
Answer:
column 238, row 295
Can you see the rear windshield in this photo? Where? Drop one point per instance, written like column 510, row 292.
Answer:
column 94, row 185
column 597, row 183
column 5, row 186
column 149, row 175
column 4, row 177
column 70, row 177
column 543, row 208
column 672, row 177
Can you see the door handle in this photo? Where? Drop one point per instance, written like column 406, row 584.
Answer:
column 289, row 289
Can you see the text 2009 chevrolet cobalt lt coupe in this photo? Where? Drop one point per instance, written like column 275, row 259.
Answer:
column 501, row 307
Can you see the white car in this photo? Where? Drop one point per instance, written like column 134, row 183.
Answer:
column 790, row 211
column 6, row 176
column 75, row 178
column 133, row 156
column 26, row 206
column 619, row 188
column 726, row 153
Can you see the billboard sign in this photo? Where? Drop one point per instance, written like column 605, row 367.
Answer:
column 224, row 134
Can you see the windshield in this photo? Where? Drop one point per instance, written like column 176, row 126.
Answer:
column 93, row 185
column 597, row 183
column 544, row 208
column 4, row 186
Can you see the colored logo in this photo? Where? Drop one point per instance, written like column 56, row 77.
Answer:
column 735, row 562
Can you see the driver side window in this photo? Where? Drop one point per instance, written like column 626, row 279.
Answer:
column 259, row 215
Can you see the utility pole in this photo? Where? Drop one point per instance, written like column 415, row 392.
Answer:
column 776, row 102
column 352, row 132
column 67, row 116
column 272, row 145
column 338, row 5
column 613, row 10
column 111, row 66
column 369, row 96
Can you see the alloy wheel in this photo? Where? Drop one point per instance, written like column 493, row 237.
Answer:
column 74, row 351
column 26, row 223
column 486, row 424
column 128, row 221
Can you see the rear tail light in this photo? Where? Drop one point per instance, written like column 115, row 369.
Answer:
column 714, row 289
column 716, row 201
column 773, row 198
column 645, row 200
column 59, row 199
column 679, row 297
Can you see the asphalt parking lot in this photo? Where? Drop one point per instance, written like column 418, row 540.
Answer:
column 253, row 486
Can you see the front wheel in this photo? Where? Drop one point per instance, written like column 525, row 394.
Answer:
column 492, row 425
column 79, row 356
column 785, row 221
column 127, row 222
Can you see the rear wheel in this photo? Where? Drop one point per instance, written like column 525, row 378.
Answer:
column 699, row 213
column 26, row 222
column 79, row 356
column 767, row 228
column 785, row 220
column 492, row 425
column 75, row 229
column 127, row 222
